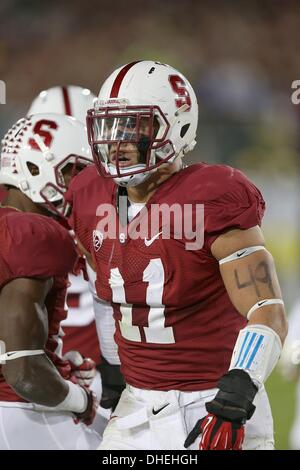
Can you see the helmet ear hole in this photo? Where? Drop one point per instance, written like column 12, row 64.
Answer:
column 34, row 169
column 184, row 130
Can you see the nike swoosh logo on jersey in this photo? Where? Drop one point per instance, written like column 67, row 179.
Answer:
column 241, row 253
column 149, row 242
column 261, row 303
column 155, row 412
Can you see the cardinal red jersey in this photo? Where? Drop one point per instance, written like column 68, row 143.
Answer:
column 175, row 324
column 3, row 192
column 37, row 247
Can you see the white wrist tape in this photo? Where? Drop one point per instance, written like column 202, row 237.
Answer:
column 241, row 253
column 257, row 350
column 76, row 400
column 263, row 303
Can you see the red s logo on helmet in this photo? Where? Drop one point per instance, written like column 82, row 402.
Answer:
column 179, row 87
column 43, row 133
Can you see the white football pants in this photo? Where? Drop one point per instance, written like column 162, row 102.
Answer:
column 144, row 421
column 23, row 428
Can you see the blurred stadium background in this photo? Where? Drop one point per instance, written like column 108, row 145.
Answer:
column 241, row 57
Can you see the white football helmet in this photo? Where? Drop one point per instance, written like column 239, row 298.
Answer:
column 70, row 100
column 146, row 115
column 39, row 152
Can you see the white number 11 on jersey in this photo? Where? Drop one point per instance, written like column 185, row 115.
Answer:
column 156, row 332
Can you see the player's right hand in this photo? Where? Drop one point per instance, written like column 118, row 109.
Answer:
column 223, row 427
column 88, row 416
column 83, row 369
column 217, row 434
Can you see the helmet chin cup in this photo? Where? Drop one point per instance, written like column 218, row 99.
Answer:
column 129, row 180
column 53, row 200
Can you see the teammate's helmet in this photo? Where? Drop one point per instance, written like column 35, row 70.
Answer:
column 70, row 100
column 144, row 105
column 39, row 153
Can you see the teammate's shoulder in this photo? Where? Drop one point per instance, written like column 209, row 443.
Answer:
column 85, row 177
column 211, row 182
column 37, row 242
column 87, row 183
column 23, row 225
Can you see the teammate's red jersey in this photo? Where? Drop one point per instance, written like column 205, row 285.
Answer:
column 37, row 247
column 3, row 192
column 175, row 324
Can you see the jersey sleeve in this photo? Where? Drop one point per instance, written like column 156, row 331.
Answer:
column 34, row 246
column 80, row 229
column 239, row 206
column 80, row 201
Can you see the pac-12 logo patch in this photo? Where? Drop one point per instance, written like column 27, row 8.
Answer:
column 97, row 239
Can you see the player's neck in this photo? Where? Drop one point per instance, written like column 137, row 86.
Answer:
column 17, row 200
column 143, row 192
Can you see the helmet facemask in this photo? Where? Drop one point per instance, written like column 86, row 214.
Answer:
column 64, row 172
column 129, row 142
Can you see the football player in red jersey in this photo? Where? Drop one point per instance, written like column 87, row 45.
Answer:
column 199, row 317
column 85, row 308
column 38, row 402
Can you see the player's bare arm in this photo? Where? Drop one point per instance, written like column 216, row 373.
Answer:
column 24, row 326
column 249, row 275
column 27, row 368
column 252, row 278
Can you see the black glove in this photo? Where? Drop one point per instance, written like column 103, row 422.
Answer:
column 113, row 384
column 223, row 427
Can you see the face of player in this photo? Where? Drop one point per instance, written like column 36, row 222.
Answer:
column 133, row 140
